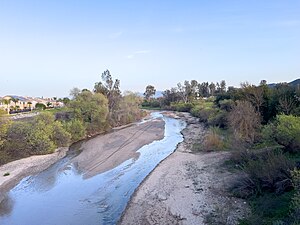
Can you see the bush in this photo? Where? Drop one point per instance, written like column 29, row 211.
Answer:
column 295, row 204
column 40, row 106
column 76, row 129
column 16, row 144
column 202, row 113
column 218, row 118
column 181, row 107
column 264, row 171
column 60, row 136
column 244, row 121
column 226, row 104
column 39, row 138
column 287, row 132
column 213, row 141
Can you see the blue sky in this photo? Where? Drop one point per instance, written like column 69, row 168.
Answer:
column 49, row 47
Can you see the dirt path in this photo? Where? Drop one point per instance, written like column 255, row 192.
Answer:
column 186, row 188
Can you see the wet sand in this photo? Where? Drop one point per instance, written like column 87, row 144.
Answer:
column 24, row 167
column 186, row 188
column 103, row 152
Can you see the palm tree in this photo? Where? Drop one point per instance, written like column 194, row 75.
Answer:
column 29, row 103
column 15, row 100
column 7, row 102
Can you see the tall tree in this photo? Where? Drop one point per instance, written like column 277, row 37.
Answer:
column 110, row 89
column 15, row 100
column 212, row 89
column 183, row 92
column 253, row 94
column 203, row 89
column 7, row 102
column 149, row 92
column 223, row 86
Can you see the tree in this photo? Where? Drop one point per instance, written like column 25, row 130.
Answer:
column 7, row 102
column 203, row 89
column 129, row 108
column 40, row 106
column 110, row 89
column 244, row 120
column 170, row 96
column 212, row 89
column 194, row 89
column 92, row 110
column 29, row 103
column 66, row 100
column 223, row 86
column 184, row 91
column 76, row 128
column 287, row 104
column 49, row 104
column 74, row 92
column 253, row 94
column 149, row 92
column 15, row 100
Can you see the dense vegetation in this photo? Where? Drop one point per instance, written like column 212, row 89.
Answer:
column 87, row 113
column 261, row 126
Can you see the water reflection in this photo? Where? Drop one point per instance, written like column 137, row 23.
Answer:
column 6, row 205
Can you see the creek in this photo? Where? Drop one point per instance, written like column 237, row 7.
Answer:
column 60, row 194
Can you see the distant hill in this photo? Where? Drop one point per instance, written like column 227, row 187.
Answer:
column 292, row 83
column 295, row 82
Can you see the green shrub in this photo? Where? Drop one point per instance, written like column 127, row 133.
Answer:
column 288, row 132
column 226, row 104
column 264, row 171
column 60, row 136
column 218, row 118
column 16, row 144
column 40, row 106
column 182, row 107
column 39, row 139
column 295, row 204
column 76, row 129
column 202, row 113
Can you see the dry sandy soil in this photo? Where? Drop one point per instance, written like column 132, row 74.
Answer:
column 105, row 152
column 186, row 188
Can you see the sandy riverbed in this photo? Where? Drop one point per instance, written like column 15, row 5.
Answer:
column 103, row 152
column 24, row 167
column 186, row 188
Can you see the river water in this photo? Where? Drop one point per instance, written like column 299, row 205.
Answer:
column 60, row 195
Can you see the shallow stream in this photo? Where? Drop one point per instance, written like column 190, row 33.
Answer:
column 60, row 194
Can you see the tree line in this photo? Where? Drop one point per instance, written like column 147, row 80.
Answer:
column 87, row 113
column 260, row 125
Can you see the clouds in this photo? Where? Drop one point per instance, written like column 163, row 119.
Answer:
column 136, row 53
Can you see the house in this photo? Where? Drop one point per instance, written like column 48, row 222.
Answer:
column 20, row 103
